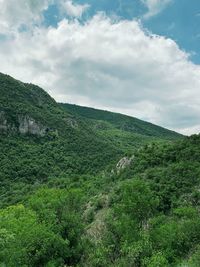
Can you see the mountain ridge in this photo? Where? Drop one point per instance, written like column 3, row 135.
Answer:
column 44, row 140
column 93, row 191
column 126, row 122
column 33, row 100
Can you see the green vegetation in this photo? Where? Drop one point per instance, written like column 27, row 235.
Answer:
column 124, row 132
column 65, row 203
column 45, row 233
column 122, row 122
column 154, row 215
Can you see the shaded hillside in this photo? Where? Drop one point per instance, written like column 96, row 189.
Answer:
column 122, row 122
column 38, row 139
column 90, row 188
column 20, row 102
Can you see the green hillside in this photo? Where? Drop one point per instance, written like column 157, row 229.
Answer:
column 88, row 188
column 150, row 212
column 39, row 139
column 146, row 215
column 125, row 132
column 122, row 122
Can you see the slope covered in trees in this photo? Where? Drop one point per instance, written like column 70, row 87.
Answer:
column 146, row 215
column 66, row 202
column 121, row 122
column 127, row 133
column 153, row 212
column 40, row 140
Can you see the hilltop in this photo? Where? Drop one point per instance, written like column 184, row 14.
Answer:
column 125, row 132
column 85, row 187
column 121, row 122
column 40, row 138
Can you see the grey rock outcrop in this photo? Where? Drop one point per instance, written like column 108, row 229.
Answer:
column 28, row 125
column 23, row 124
column 71, row 122
column 124, row 163
column 3, row 122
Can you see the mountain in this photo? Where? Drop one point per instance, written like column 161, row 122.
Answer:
column 25, row 108
column 121, row 122
column 147, row 215
column 40, row 138
column 85, row 187
column 28, row 111
column 125, row 132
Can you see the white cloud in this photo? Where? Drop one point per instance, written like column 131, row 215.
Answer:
column 110, row 65
column 154, row 7
column 190, row 131
column 23, row 12
column 29, row 12
column 74, row 10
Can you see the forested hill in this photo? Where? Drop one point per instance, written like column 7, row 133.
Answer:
column 87, row 188
column 122, row 122
column 145, row 215
column 28, row 106
column 40, row 139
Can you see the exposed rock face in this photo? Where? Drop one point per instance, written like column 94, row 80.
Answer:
column 71, row 122
column 97, row 228
column 123, row 163
column 28, row 125
column 3, row 122
column 23, row 124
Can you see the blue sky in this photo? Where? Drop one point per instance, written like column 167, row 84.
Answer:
column 179, row 20
column 137, row 57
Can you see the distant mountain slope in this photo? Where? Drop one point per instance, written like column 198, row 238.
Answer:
column 38, row 139
column 75, row 189
column 125, row 132
column 122, row 122
column 41, row 139
column 27, row 108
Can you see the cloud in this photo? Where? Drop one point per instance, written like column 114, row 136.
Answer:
column 23, row 12
column 26, row 13
column 74, row 10
column 154, row 7
column 115, row 65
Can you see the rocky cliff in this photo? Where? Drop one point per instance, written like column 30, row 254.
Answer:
column 22, row 124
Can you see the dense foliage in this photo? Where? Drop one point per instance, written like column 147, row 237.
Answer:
column 45, row 233
column 65, row 203
column 121, row 122
column 154, row 217
column 147, row 215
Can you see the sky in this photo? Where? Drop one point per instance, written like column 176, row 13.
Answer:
column 136, row 57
